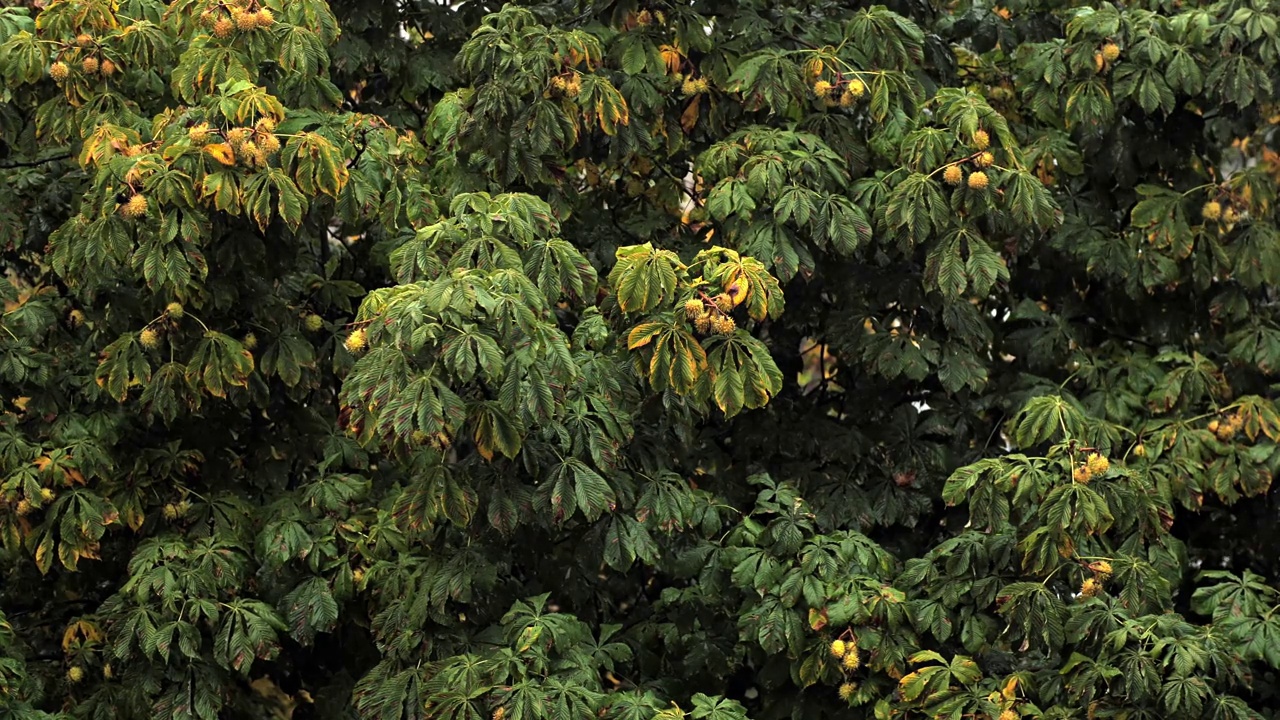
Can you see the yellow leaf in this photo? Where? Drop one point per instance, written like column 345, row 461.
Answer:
column 1010, row 690
column 221, row 152
column 483, row 446
column 671, row 57
column 689, row 117
column 737, row 289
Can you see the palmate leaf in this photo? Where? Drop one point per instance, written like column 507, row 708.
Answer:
column 601, row 102
column 796, row 202
column 314, row 15
column 643, row 277
column 742, row 273
column 302, row 51
column 496, row 430
column 626, row 541
column 1077, row 508
column 318, row 166
column 123, row 365
column 310, row 608
column 287, row 358
column 706, row 707
column 219, row 362
column 744, row 374
column 1035, row 611
column 676, row 359
column 1243, row 595
column 22, row 58
column 1029, row 201
column 1048, row 417
column 915, row 207
column 559, row 270
column 967, row 113
column 571, row 486
column 963, row 480
column 843, row 223
column 767, row 79
column 248, row 631
column 204, row 66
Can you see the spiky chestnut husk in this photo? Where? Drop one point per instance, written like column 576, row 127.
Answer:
column 149, row 338
column 249, row 152
column 703, row 323
column 245, row 21
column 313, row 322
column 837, row 648
column 199, row 134
column 978, row 181
column 981, row 140
column 693, row 308
column 357, row 341
column 723, row 324
column 821, row 88
column 89, row 65
column 1090, row 588
column 265, row 18
column 59, row 71
column 107, row 68
column 985, row 159
column 1111, row 52
column 269, row 144
column 846, row 690
column 136, row 206
column 1097, row 464
column 1212, row 210
column 250, row 341
column 175, row 310
column 222, row 28
column 856, row 87
column 953, row 175
column 75, row 674
column 237, row 136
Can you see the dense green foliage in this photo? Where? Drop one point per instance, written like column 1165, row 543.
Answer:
column 638, row 360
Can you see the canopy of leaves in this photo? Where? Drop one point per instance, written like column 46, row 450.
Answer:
column 639, row 360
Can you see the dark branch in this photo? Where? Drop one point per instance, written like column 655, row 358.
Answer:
column 34, row 163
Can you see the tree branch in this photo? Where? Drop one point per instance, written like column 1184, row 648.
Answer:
column 34, row 163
